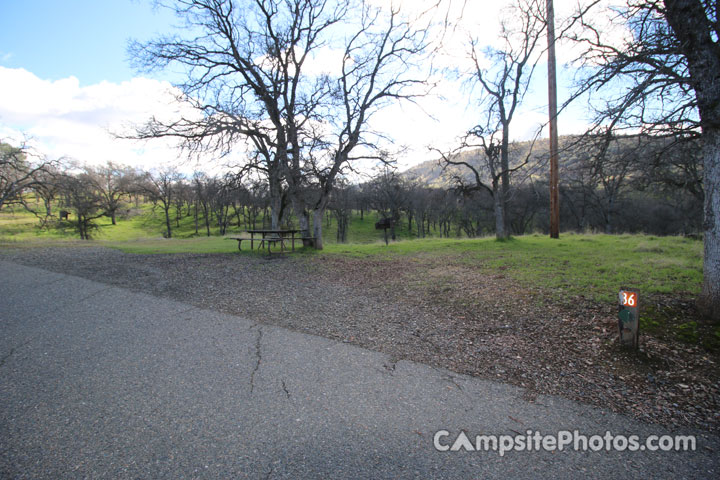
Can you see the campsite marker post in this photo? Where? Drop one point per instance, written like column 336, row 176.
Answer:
column 628, row 318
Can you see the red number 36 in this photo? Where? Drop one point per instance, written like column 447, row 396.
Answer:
column 628, row 299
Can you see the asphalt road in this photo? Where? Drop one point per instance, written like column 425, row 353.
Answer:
column 100, row 382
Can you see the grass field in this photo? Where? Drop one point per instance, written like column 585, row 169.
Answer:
column 594, row 266
column 18, row 225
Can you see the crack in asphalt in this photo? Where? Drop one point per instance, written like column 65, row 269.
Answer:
column 3, row 359
column 454, row 382
column 258, row 357
column 285, row 389
column 13, row 350
column 453, row 379
column 60, row 279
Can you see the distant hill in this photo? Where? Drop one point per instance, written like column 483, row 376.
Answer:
column 432, row 174
column 573, row 151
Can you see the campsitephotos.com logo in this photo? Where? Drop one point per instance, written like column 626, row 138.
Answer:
column 562, row 440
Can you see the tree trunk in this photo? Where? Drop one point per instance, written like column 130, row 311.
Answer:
column 196, row 218
column 112, row 217
column 167, row 221
column 276, row 198
column 81, row 226
column 303, row 220
column 275, row 214
column 499, row 208
column 692, row 28
column 318, row 214
column 710, row 297
column 608, row 223
column 505, row 178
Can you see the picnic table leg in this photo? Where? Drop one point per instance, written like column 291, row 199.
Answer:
column 293, row 241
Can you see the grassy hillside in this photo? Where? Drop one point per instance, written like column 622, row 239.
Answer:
column 147, row 223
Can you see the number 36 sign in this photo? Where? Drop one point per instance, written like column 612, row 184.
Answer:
column 628, row 299
column 628, row 318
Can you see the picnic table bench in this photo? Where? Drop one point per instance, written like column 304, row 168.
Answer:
column 271, row 237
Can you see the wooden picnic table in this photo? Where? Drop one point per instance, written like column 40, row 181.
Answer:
column 268, row 237
column 272, row 236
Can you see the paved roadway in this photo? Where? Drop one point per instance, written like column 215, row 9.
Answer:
column 100, row 382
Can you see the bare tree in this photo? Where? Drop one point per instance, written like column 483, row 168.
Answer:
column 380, row 66
column 664, row 78
column 248, row 79
column 502, row 86
column 604, row 163
column 341, row 205
column 19, row 174
column 112, row 183
column 220, row 196
column 82, row 196
column 202, row 199
column 387, row 196
column 48, row 187
column 160, row 187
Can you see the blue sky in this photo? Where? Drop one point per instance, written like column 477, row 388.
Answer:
column 65, row 83
column 87, row 39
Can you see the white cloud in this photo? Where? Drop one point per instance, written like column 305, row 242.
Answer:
column 64, row 119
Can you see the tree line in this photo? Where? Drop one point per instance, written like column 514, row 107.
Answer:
column 636, row 184
column 80, row 195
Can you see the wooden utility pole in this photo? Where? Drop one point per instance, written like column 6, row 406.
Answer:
column 552, row 102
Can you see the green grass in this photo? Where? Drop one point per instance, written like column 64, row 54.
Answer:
column 214, row 244
column 595, row 266
column 18, row 225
